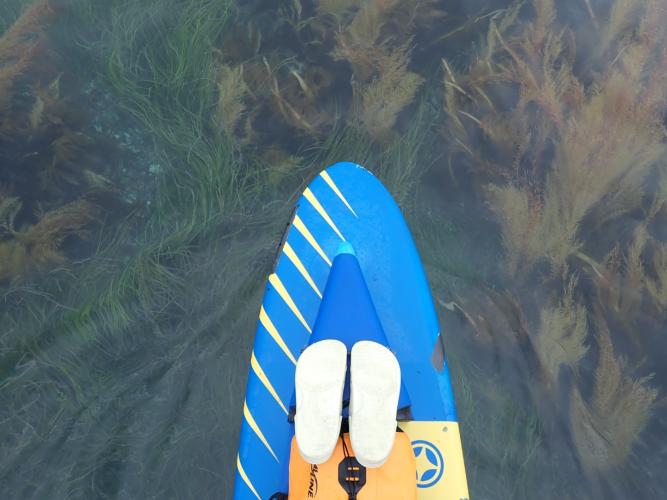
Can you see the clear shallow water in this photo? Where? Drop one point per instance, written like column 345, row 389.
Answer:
column 149, row 156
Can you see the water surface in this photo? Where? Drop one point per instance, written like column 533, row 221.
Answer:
column 150, row 154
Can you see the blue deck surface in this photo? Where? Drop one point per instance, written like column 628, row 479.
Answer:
column 345, row 203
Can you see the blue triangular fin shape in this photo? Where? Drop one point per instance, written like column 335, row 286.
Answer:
column 347, row 312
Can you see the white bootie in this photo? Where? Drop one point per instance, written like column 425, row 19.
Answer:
column 375, row 385
column 319, row 383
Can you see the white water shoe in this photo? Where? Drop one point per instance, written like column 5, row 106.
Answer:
column 319, row 383
column 375, row 385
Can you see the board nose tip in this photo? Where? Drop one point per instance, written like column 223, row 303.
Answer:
column 345, row 247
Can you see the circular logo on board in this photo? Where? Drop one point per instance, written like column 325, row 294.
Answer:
column 430, row 464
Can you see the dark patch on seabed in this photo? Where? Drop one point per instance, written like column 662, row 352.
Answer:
column 150, row 153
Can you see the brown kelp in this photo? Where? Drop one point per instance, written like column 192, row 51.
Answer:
column 39, row 246
column 602, row 141
column 53, row 164
column 563, row 146
column 379, row 56
column 348, row 60
column 230, row 106
column 561, row 339
column 605, row 429
column 19, row 45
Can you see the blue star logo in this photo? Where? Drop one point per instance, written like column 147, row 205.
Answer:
column 430, row 464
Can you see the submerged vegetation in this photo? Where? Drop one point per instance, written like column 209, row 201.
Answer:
column 603, row 139
column 149, row 156
column 53, row 183
column 568, row 150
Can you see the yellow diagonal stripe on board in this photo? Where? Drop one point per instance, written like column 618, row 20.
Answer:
column 301, row 227
column 253, row 425
column 273, row 331
column 320, row 210
column 282, row 291
column 259, row 372
column 244, row 476
column 294, row 258
column 327, row 178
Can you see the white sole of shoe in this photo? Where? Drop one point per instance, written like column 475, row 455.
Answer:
column 319, row 383
column 375, row 384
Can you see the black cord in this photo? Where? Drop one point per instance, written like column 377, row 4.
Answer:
column 352, row 485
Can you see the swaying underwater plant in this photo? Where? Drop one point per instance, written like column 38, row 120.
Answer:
column 53, row 162
column 606, row 428
column 351, row 63
column 230, row 106
column 650, row 267
column 566, row 145
column 561, row 338
column 657, row 286
column 601, row 140
column 273, row 93
column 388, row 94
column 18, row 46
column 383, row 86
column 38, row 247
